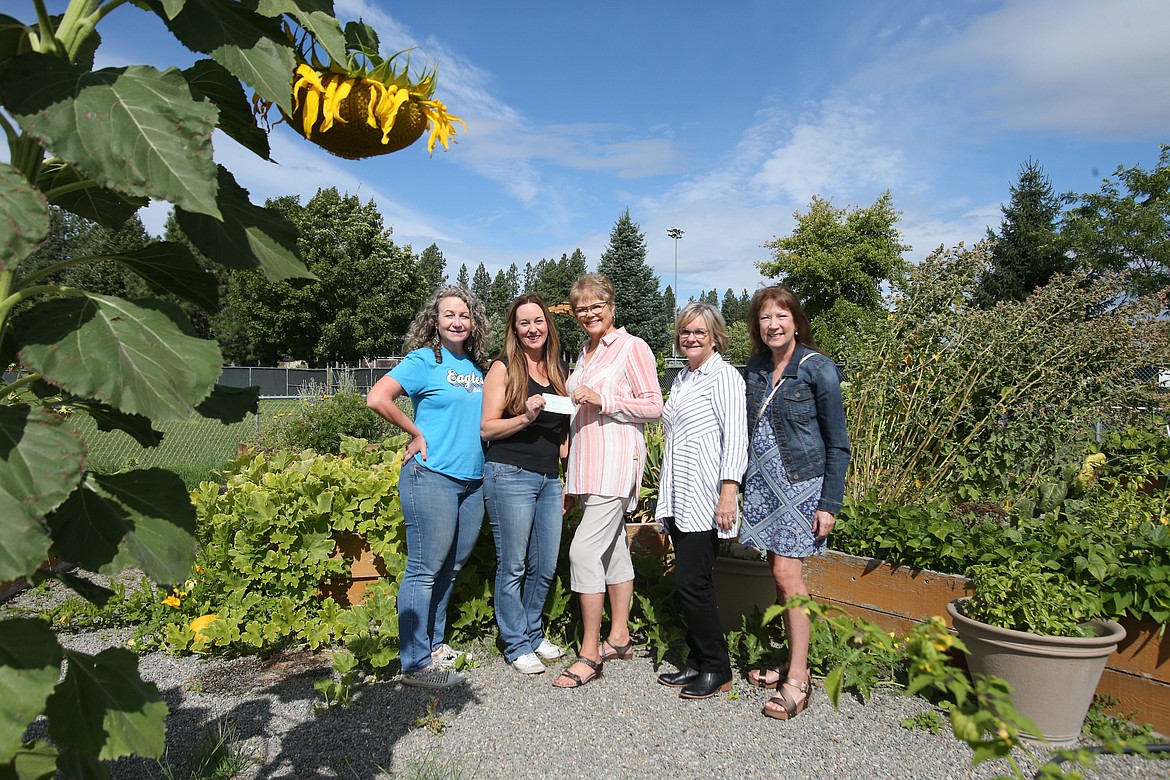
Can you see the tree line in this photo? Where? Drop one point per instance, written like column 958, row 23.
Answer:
column 841, row 262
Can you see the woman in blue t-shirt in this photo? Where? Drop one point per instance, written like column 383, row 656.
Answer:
column 441, row 485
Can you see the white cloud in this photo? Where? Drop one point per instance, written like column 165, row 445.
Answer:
column 834, row 149
column 1091, row 67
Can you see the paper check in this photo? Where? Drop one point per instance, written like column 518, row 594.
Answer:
column 558, row 404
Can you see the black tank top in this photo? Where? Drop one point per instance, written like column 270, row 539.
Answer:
column 537, row 446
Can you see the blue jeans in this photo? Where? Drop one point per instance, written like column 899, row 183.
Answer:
column 443, row 516
column 525, row 512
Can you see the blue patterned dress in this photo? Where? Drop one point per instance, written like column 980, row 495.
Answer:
column 777, row 513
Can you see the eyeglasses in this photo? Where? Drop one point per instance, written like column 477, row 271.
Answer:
column 700, row 333
column 593, row 308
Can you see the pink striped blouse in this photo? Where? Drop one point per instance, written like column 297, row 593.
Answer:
column 606, row 447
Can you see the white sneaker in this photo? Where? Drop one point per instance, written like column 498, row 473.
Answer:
column 548, row 651
column 528, row 664
column 432, row 677
column 446, row 656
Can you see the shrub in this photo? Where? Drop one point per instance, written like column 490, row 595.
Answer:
column 322, row 419
column 947, row 400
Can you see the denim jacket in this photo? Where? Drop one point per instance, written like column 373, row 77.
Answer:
column 808, row 419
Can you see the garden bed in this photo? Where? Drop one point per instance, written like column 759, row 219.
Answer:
column 895, row 597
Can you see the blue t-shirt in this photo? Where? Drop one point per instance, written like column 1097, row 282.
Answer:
column 448, row 399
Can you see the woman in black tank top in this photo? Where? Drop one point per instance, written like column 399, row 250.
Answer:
column 522, row 484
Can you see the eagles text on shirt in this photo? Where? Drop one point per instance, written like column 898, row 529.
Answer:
column 469, row 382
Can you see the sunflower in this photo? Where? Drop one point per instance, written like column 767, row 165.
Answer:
column 364, row 106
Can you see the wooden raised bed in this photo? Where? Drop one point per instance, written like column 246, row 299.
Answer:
column 895, row 597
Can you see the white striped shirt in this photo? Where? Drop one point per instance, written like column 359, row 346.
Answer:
column 706, row 443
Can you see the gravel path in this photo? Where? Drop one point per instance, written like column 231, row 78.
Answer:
column 504, row 725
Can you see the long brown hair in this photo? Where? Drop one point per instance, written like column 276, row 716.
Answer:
column 516, row 391
column 786, row 299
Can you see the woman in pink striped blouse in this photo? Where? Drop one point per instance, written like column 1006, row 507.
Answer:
column 615, row 388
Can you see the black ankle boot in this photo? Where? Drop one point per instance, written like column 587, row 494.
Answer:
column 707, row 684
column 680, row 678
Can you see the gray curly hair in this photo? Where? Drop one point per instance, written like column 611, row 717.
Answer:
column 424, row 330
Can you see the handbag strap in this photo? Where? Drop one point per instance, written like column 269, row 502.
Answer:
column 768, row 400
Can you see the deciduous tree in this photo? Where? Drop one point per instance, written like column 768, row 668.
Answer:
column 836, row 261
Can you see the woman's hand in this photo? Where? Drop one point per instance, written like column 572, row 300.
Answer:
column 533, row 407
column 823, row 523
column 727, row 508
column 567, row 503
column 584, row 395
column 417, row 444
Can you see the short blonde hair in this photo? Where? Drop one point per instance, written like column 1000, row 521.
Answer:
column 592, row 286
column 711, row 318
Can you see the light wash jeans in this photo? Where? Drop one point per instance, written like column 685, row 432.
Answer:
column 443, row 516
column 525, row 512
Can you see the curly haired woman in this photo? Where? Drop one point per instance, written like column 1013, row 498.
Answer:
column 441, row 485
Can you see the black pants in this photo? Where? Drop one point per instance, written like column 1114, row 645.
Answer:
column 694, row 562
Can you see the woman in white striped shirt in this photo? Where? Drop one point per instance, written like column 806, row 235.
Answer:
column 704, row 463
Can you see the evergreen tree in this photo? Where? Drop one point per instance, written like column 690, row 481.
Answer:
column 639, row 306
column 432, row 269
column 462, row 280
column 733, row 308
column 481, row 283
column 1028, row 250
column 529, row 278
column 668, row 304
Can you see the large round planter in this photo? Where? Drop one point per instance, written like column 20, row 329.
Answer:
column 741, row 587
column 1053, row 678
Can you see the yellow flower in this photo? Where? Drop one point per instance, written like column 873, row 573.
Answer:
column 172, row 601
column 200, row 623
column 364, row 106
column 198, row 569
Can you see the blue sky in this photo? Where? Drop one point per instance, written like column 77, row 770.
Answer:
column 725, row 123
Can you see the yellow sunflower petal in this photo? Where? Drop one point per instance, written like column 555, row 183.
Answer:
column 442, row 124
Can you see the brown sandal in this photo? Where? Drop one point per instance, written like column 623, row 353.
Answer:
column 759, row 677
column 596, row 666
column 620, row 652
column 788, row 708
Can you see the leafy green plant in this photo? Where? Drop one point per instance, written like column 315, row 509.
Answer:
column 945, row 399
column 337, row 692
column 101, row 143
column 1026, row 596
column 322, row 419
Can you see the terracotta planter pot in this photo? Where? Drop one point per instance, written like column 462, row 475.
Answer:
column 1053, row 678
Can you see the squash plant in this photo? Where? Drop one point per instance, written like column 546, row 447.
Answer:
column 101, row 143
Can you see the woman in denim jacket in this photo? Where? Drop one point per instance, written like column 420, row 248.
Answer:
column 795, row 481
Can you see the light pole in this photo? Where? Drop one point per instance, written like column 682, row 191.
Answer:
column 676, row 234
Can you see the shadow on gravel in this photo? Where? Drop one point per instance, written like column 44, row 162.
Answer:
column 272, row 704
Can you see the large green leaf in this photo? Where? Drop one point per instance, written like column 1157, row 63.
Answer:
column 40, row 465
column 24, row 217
column 136, row 130
column 248, row 237
column 30, row 662
column 252, row 47
column 65, row 187
column 230, row 404
column 108, row 418
column 140, row 518
column 315, row 17
column 34, row 761
column 211, row 80
column 170, row 267
column 103, row 708
column 140, row 357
